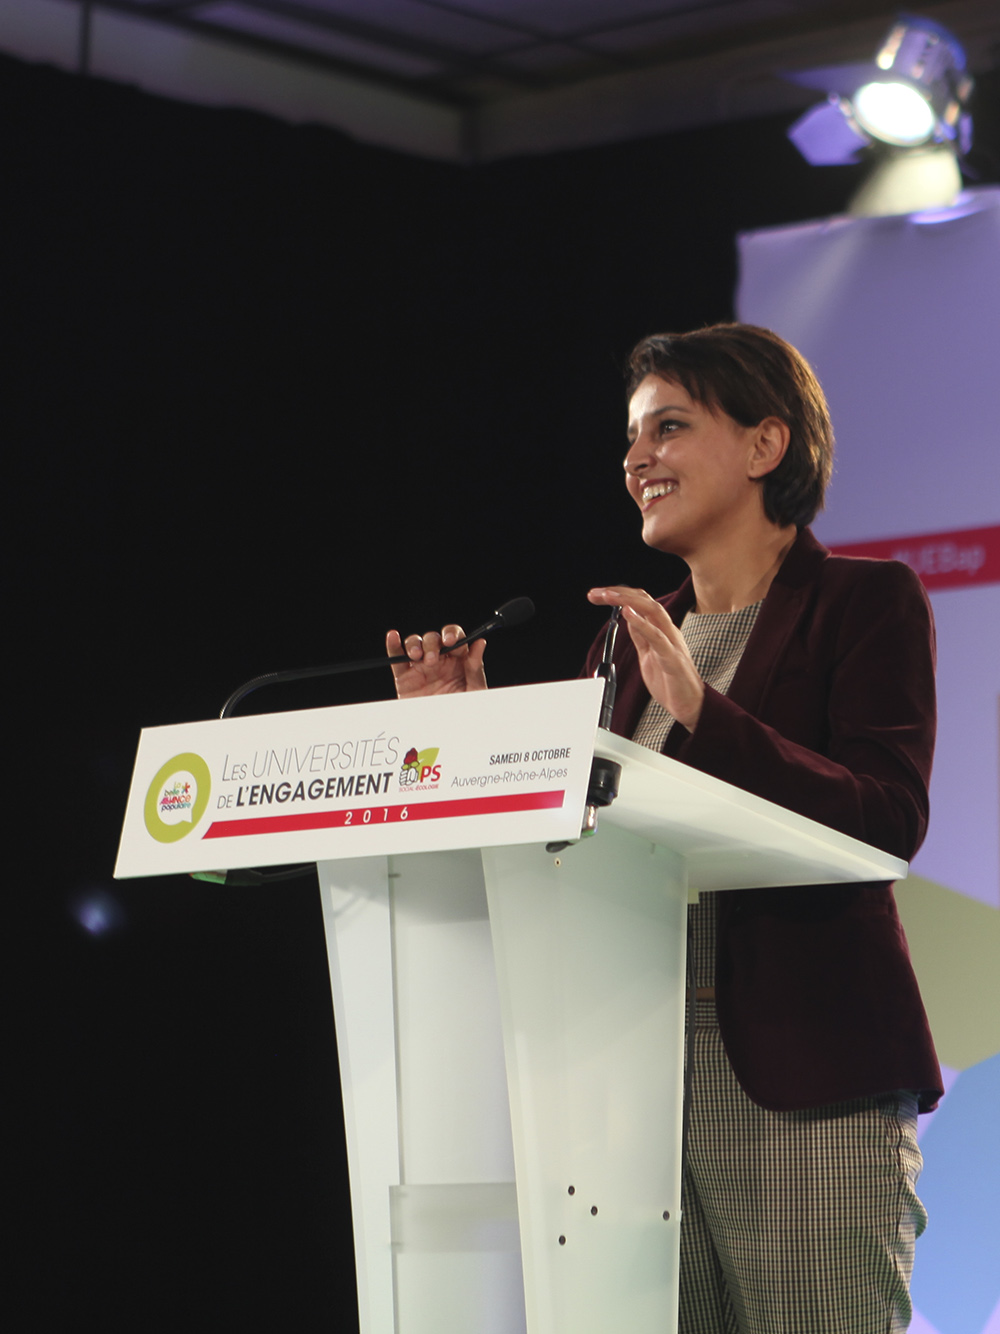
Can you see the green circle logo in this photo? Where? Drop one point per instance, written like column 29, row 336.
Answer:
column 177, row 798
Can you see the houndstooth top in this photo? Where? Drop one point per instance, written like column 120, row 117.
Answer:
column 716, row 641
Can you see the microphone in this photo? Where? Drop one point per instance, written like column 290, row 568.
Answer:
column 605, row 775
column 512, row 613
column 606, row 670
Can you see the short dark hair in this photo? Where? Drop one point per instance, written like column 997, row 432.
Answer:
column 750, row 373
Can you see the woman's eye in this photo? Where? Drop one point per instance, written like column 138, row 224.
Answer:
column 668, row 427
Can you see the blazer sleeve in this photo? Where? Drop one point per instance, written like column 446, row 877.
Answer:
column 847, row 738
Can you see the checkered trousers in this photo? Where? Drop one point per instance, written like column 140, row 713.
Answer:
column 795, row 1222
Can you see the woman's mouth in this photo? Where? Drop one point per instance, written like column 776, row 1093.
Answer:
column 656, row 490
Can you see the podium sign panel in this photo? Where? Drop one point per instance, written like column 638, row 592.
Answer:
column 453, row 771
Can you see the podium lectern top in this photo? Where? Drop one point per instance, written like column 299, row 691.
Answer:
column 728, row 838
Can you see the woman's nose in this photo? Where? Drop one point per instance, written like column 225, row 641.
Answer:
column 637, row 459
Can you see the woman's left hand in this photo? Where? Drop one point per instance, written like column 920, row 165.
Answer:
column 664, row 661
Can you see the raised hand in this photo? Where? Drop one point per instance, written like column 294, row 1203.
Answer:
column 667, row 669
column 431, row 672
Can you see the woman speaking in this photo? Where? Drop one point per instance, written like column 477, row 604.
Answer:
column 807, row 679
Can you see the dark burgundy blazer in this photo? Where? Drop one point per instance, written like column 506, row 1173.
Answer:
column 831, row 714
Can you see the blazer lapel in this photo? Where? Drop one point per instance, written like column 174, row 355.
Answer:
column 787, row 598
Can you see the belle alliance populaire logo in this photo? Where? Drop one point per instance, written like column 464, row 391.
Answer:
column 177, row 798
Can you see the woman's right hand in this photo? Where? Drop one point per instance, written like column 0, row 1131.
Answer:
column 431, row 672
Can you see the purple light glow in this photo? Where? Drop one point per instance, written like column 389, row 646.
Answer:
column 97, row 912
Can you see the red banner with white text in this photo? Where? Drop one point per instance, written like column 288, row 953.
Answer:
column 942, row 560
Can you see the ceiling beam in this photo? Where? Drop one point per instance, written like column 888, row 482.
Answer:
column 686, row 87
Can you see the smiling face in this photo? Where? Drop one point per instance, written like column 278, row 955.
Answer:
column 691, row 470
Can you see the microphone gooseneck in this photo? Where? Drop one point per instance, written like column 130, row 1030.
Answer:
column 605, row 775
column 606, row 670
column 512, row 613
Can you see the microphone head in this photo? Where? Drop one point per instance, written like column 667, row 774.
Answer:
column 515, row 612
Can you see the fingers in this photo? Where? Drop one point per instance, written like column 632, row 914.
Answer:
column 393, row 648
column 666, row 665
column 637, row 606
column 421, row 648
column 648, row 622
column 475, row 674
column 620, row 595
column 645, row 630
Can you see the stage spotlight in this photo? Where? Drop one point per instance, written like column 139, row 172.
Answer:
column 894, row 112
column 909, row 106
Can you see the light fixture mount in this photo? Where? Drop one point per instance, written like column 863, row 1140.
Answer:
column 913, row 94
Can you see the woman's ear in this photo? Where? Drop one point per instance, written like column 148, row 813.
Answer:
column 770, row 443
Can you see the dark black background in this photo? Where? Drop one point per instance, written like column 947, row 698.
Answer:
column 266, row 392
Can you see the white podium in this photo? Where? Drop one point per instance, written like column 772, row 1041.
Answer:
column 509, row 1020
column 560, row 1215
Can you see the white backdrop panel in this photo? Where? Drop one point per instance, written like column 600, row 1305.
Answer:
column 901, row 319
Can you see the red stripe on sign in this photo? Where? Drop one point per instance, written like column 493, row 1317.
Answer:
column 363, row 817
column 942, row 560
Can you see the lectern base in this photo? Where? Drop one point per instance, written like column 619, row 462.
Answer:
column 513, row 1007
